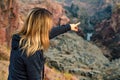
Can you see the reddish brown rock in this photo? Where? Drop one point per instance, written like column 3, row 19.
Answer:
column 8, row 19
column 59, row 16
column 2, row 36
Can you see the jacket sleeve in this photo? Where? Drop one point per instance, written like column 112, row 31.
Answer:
column 59, row 30
column 34, row 66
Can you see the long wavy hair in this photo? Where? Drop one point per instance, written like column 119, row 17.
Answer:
column 35, row 32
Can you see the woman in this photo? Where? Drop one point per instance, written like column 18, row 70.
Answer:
column 26, row 59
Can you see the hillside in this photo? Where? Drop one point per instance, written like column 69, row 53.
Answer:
column 81, row 58
column 107, row 33
column 70, row 56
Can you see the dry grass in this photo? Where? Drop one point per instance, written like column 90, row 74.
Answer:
column 3, row 70
column 53, row 74
column 4, row 53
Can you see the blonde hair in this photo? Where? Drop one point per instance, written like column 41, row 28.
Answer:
column 35, row 32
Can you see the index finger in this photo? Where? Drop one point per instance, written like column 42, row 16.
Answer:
column 77, row 24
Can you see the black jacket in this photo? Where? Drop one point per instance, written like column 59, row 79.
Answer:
column 29, row 68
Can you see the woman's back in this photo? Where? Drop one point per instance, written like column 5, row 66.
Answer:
column 23, row 67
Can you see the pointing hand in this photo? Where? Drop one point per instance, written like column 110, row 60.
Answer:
column 74, row 27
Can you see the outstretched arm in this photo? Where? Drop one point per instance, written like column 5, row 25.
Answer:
column 55, row 31
column 62, row 29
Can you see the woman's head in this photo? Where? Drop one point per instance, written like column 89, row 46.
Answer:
column 35, row 32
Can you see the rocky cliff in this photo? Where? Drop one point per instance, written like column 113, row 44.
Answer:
column 9, row 23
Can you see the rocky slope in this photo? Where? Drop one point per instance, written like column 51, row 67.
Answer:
column 70, row 53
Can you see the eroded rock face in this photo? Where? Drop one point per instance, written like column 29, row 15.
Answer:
column 8, row 20
column 54, row 7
